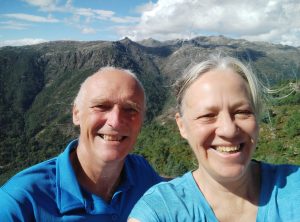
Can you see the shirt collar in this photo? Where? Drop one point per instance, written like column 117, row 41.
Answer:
column 128, row 179
column 69, row 195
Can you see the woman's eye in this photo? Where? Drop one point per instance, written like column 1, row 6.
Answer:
column 207, row 117
column 244, row 113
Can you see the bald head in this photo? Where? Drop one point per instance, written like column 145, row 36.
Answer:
column 113, row 75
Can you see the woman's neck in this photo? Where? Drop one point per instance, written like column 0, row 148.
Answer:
column 231, row 198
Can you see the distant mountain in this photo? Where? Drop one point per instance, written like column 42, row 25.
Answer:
column 38, row 84
column 276, row 62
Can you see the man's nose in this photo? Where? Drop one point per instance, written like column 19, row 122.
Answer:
column 114, row 117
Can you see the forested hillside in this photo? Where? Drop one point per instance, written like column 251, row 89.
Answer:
column 38, row 84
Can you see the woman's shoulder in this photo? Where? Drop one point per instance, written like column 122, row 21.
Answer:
column 172, row 187
column 280, row 169
column 279, row 192
column 281, row 175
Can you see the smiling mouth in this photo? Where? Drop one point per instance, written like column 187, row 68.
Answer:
column 112, row 137
column 228, row 149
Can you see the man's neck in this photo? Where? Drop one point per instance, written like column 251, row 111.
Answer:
column 99, row 180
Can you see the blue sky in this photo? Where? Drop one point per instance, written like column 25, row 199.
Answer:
column 33, row 21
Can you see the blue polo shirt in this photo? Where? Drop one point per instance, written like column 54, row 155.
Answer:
column 49, row 191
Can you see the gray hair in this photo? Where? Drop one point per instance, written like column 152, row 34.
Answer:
column 105, row 69
column 219, row 62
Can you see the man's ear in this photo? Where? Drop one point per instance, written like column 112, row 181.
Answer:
column 75, row 112
column 180, row 125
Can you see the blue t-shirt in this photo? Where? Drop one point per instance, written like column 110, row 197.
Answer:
column 49, row 191
column 181, row 200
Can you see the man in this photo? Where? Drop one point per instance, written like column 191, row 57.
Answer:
column 94, row 179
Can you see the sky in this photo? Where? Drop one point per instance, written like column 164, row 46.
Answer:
column 24, row 22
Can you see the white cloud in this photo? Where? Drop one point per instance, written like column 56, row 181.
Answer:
column 87, row 30
column 13, row 25
column 41, row 3
column 145, row 7
column 83, row 19
column 276, row 21
column 84, row 12
column 31, row 18
column 21, row 42
column 104, row 13
column 126, row 19
column 44, row 5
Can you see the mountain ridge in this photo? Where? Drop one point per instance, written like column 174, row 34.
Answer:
column 38, row 84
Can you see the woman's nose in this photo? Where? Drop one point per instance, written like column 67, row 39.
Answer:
column 226, row 126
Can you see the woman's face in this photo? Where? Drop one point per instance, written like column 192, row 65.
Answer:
column 219, row 123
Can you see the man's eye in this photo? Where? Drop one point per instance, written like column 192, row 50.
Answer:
column 130, row 110
column 101, row 107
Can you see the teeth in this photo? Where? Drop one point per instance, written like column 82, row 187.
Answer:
column 111, row 137
column 228, row 149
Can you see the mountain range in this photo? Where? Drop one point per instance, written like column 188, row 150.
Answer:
column 38, row 84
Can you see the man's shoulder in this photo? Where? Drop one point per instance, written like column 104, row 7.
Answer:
column 35, row 176
column 136, row 159
column 40, row 175
column 25, row 192
column 138, row 163
column 138, row 167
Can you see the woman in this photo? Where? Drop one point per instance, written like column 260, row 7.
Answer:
column 218, row 111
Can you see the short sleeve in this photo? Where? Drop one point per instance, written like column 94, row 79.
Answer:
column 143, row 212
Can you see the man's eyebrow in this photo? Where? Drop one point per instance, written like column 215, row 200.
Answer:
column 125, row 103
column 133, row 104
column 99, row 100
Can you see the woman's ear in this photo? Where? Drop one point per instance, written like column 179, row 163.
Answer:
column 75, row 112
column 180, row 125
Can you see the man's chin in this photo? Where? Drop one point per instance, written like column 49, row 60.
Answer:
column 110, row 157
column 111, row 151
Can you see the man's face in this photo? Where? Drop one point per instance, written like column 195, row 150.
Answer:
column 110, row 115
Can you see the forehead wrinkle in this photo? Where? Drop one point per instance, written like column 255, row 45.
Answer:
column 90, row 88
column 130, row 100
